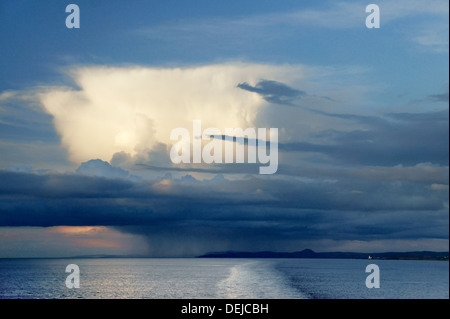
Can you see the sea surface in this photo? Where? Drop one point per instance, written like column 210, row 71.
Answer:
column 186, row 278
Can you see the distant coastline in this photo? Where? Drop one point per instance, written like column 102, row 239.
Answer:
column 308, row 253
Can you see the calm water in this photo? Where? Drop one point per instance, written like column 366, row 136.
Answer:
column 222, row 278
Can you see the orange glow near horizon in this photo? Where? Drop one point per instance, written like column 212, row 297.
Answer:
column 98, row 243
column 89, row 236
column 77, row 230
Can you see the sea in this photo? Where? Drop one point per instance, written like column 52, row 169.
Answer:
column 216, row 278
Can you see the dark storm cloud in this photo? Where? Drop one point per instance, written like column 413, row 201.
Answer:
column 244, row 214
column 273, row 91
column 376, row 199
column 443, row 97
column 59, row 186
column 235, row 168
column 425, row 174
column 400, row 138
column 393, row 139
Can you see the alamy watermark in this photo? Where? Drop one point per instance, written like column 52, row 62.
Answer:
column 373, row 19
column 73, row 19
column 73, row 280
column 373, row 280
column 221, row 146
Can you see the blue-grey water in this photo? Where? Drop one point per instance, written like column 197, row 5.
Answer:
column 223, row 278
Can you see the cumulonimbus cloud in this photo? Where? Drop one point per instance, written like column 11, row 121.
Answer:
column 132, row 109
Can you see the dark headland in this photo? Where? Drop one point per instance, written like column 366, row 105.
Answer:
column 308, row 253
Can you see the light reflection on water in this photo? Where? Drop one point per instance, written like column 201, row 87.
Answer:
column 221, row 278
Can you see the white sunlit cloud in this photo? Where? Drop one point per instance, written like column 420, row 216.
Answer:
column 133, row 109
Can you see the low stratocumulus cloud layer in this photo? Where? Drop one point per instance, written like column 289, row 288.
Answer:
column 255, row 212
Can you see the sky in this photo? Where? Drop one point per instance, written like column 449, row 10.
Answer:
column 86, row 115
